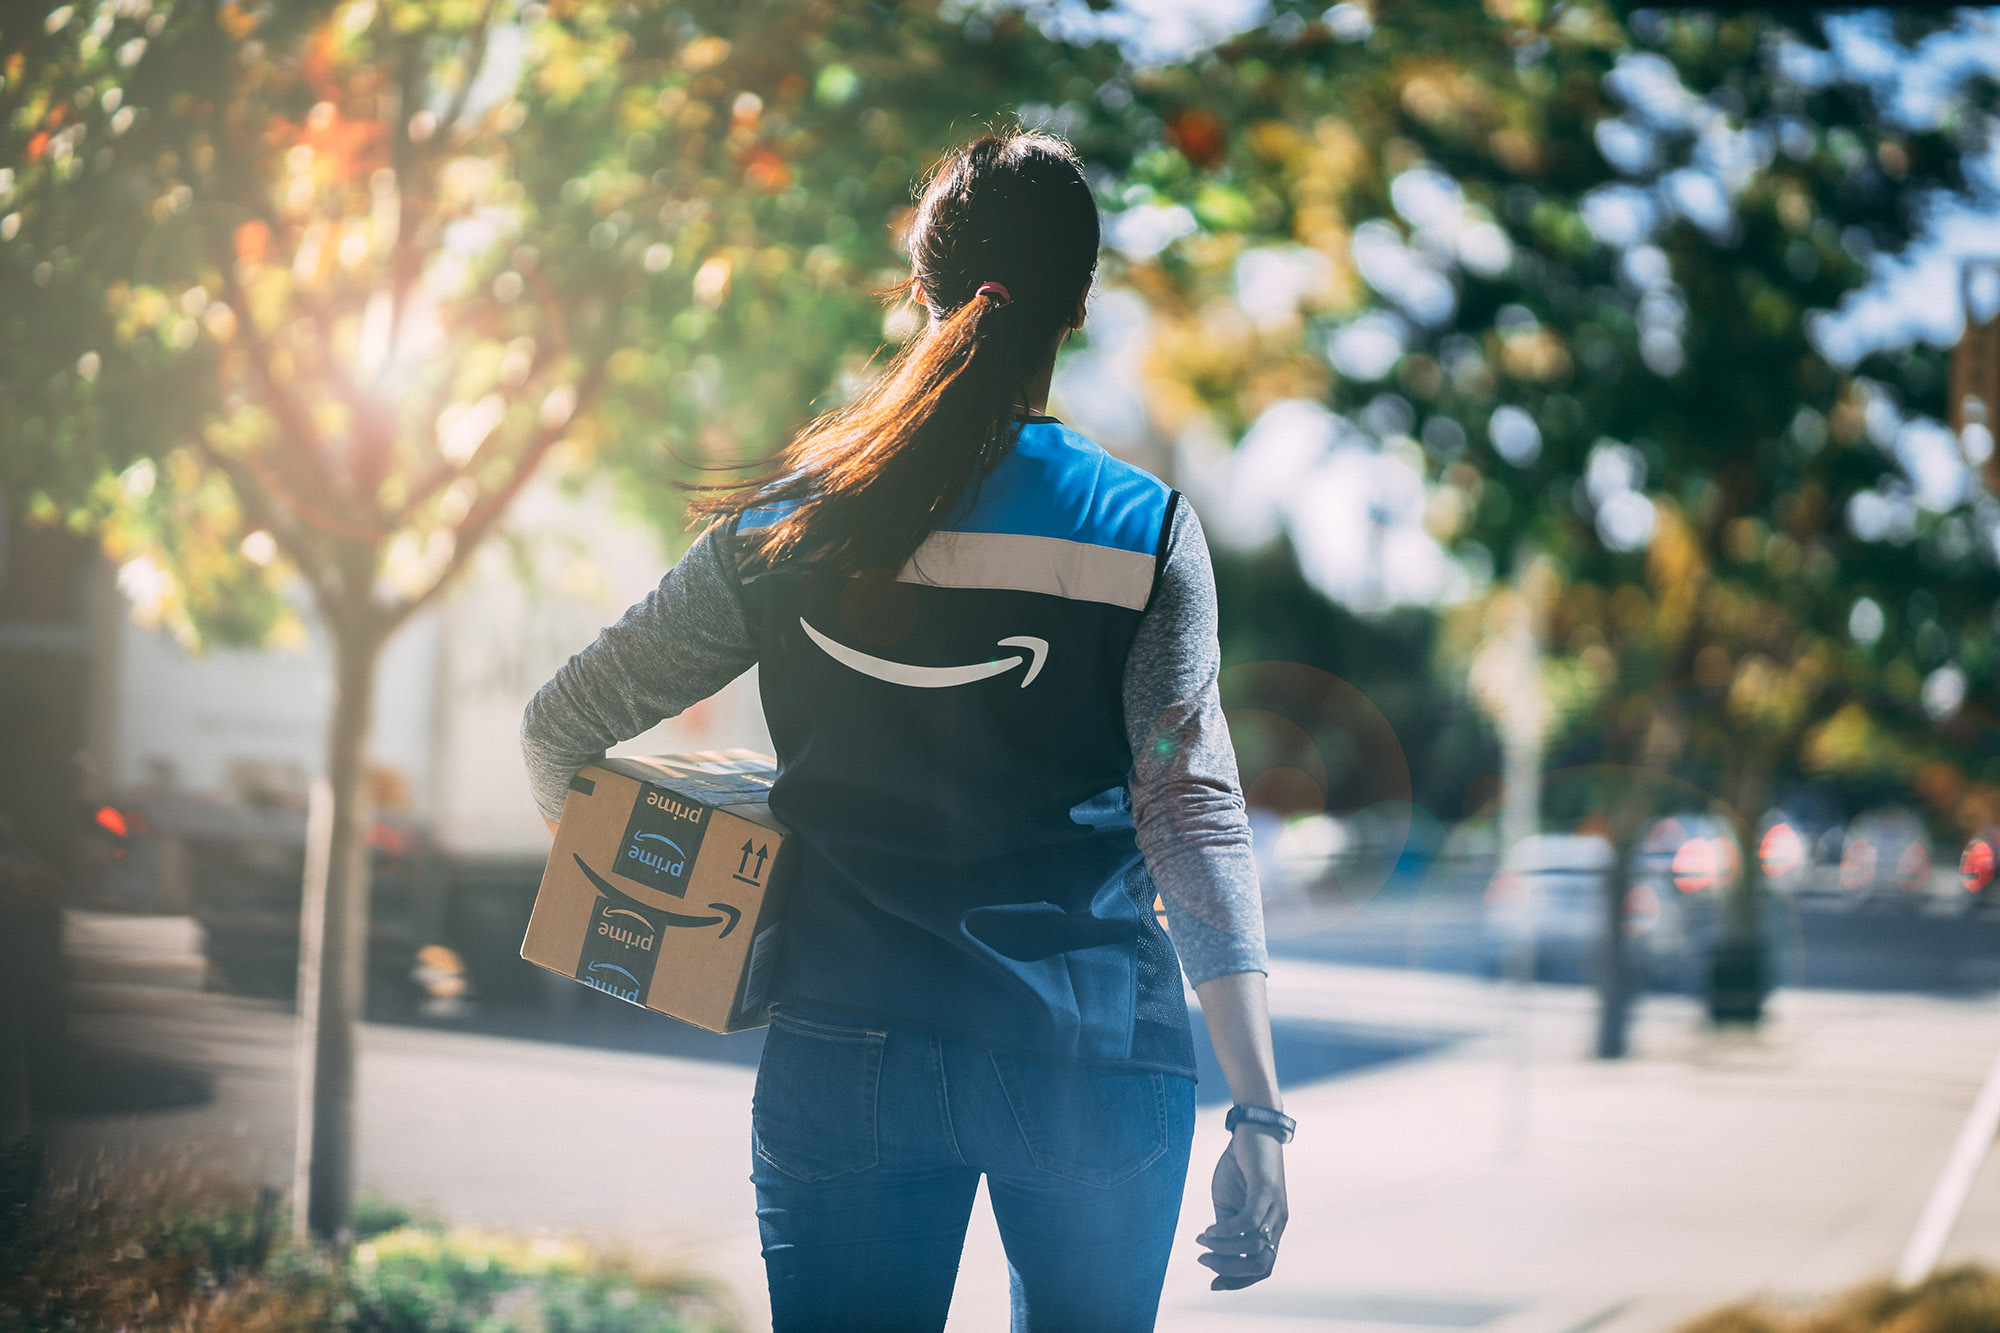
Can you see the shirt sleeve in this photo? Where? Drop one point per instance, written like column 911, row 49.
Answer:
column 691, row 636
column 1187, row 801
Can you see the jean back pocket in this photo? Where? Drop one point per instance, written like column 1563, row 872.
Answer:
column 813, row 1113
column 1093, row 1124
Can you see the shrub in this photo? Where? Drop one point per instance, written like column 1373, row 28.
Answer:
column 1956, row 1300
column 149, row 1251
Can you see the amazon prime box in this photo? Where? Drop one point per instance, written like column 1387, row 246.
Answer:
column 665, row 884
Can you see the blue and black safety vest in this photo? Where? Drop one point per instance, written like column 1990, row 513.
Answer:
column 952, row 755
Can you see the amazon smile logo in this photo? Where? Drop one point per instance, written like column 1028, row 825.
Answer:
column 612, row 980
column 730, row 915
column 631, row 930
column 932, row 678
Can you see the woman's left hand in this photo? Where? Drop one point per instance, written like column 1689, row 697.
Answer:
column 1250, row 1211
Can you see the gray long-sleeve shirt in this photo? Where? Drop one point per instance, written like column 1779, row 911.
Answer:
column 694, row 634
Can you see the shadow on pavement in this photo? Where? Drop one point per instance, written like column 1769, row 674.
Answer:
column 596, row 1022
column 1306, row 1052
column 1313, row 1052
column 99, row 1080
column 100, row 1073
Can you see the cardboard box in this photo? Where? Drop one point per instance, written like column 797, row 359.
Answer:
column 665, row 885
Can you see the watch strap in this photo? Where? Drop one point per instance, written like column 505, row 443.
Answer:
column 1263, row 1119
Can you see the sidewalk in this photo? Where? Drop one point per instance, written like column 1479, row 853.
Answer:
column 1502, row 1184
column 1514, row 1187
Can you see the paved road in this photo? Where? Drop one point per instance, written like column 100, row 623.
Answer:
column 1481, row 1175
column 1822, row 941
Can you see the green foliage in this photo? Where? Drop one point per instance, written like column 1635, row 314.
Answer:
column 366, row 264
column 422, row 1279
column 1268, row 613
column 373, row 1216
column 168, row 1250
column 1670, row 375
column 747, row 174
column 1965, row 1299
column 344, row 273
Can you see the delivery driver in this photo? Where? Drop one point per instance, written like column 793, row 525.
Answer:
column 987, row 654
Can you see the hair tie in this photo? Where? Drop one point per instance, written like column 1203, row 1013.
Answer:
column 994, row 289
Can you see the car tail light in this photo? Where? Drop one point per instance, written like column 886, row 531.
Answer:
column 1642, row 909
column 1781, row 851
column 1913, row 867
column 112, row 820
column 1697, row 865
column 1857, row 864
column 388, row 840
column 1975, row 868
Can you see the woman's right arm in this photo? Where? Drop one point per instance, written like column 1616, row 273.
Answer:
column 1188, row 811
column 691, row 636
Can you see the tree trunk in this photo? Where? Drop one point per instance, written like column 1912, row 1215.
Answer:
column 1614, row 980
column 333, row 944
column 1657, row 752
column 1738, row 976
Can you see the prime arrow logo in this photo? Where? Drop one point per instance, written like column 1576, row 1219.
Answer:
column 931, row 678
column 727, row 921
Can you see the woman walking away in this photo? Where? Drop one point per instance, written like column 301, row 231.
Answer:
column 987, row 657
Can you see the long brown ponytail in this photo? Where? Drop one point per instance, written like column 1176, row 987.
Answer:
column 870, row 480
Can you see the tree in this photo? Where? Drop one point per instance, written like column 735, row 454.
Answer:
column 336, row 349
column 1564, row 262
column 311, row 291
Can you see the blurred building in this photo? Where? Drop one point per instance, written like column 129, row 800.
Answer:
column 96, row 708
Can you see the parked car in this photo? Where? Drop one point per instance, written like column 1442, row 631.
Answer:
column 1690, row 855
column 1798, row 849
column 1885, row 859
column 1694, row 860
column 441, row 927
column 1545, row 905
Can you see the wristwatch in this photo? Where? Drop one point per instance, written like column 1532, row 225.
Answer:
column 1262, row 1119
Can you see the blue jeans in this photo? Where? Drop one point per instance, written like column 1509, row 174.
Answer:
column 868, row 1145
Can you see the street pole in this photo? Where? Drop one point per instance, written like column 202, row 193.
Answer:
column 1522, row 724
